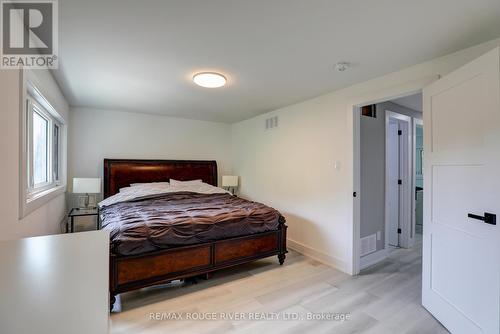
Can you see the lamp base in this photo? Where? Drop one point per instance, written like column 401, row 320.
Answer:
column 232, row 190
column 85, row 203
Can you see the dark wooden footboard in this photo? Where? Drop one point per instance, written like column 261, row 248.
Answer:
column 137, row 271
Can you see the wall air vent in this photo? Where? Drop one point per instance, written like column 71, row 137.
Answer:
column 368, row 244
column 271, row 123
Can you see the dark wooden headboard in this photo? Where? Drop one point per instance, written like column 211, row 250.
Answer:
column 120, row 173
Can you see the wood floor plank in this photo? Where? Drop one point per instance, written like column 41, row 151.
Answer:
column 384, row 298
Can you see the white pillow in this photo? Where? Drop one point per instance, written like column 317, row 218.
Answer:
column 134, row 187
column 150, row 183
column 187, row 183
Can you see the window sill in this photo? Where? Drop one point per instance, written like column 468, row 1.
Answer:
column 34, row 201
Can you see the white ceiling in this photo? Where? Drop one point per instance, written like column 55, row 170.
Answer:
column 140, row 55
column 412, row 101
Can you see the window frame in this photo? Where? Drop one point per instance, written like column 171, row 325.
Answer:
column 34, row 107
column 31, row 196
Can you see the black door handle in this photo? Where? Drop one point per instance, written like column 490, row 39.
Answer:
column 489, row 218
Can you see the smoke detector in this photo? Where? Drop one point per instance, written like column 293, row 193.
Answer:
column 342, row 66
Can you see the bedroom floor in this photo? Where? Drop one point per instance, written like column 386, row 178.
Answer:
column 382, row 299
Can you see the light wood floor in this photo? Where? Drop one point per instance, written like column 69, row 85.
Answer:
column 382, row 299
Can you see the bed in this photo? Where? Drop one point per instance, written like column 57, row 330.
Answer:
column 182, row 234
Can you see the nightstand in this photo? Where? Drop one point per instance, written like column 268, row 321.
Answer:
column 82, row 212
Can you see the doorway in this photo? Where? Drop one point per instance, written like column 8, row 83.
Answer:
column 386, row 201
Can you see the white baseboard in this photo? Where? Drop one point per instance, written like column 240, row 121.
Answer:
column 318, row 255
column 372, row 258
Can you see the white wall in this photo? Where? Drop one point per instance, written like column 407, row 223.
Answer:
column 372, row 168
column 47, row 218
column 98, row 134
column 292, row 167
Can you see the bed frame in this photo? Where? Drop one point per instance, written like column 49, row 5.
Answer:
column 133, row 272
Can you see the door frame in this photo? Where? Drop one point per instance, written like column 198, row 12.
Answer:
column 405, row 197
column 416, row 122
column 353, row 110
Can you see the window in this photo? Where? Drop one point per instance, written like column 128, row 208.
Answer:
column 43, row 139
column 40, row 149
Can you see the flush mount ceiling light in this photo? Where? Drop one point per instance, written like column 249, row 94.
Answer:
column 209, row 79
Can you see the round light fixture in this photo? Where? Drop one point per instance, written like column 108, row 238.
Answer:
column 209, row 79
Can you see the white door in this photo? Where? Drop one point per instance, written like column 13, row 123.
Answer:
column 461, row 255
column 392, row 184
column 398, row 179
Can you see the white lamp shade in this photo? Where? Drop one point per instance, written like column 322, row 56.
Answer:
column 229, row 181
column 86, row 185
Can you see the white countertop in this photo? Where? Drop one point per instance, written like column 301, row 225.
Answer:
column 55, row 284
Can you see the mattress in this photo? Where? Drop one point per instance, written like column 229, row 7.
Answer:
column 177, row 219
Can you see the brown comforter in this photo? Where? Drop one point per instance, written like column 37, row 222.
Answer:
column 179, row 219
